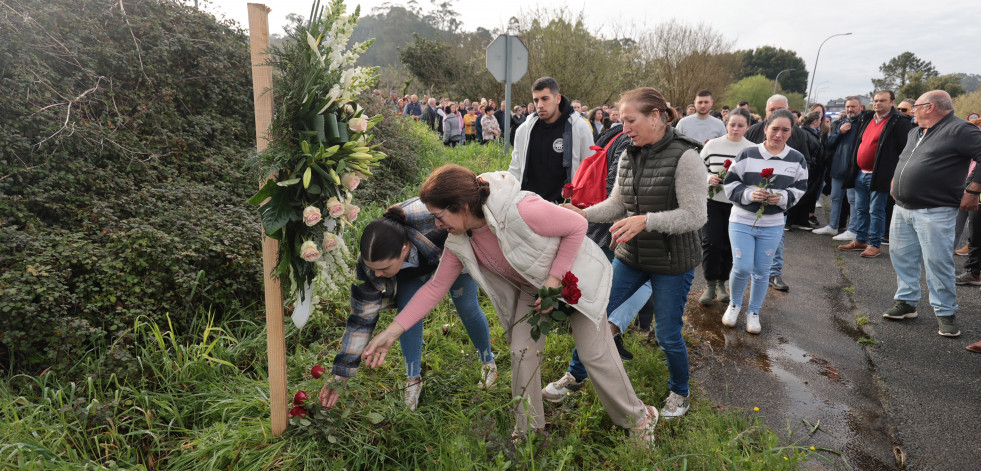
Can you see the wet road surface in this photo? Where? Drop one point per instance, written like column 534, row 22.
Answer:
column 912, row 393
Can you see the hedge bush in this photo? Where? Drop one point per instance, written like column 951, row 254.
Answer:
column 122, row 172
column 125, row 165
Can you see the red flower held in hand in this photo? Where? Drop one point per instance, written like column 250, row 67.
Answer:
column 569, row 279
column 567, row 191
column 571, row 294
column 766, row 173
column 727, row 164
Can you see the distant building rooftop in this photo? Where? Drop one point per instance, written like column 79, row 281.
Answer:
column 838, row 104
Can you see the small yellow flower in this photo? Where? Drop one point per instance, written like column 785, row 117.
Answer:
column 757, row 409
column 786, row 459
column 813, row 448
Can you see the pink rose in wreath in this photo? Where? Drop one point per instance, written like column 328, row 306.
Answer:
column 309, row 251
column 311, row 216
column 335, row 208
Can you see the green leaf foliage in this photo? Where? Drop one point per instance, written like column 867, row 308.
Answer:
column 123, row 145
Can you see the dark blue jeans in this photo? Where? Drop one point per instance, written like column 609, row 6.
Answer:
column 870, row 211
column 670, row 293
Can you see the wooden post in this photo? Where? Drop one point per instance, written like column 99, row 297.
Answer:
column 275, row 337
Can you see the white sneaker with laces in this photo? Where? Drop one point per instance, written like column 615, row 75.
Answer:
column 826, row 230
column 753, row 322
column 488, row 375
column 731, row 315
column 675, row 406
column 847, row 235
column 556, row 391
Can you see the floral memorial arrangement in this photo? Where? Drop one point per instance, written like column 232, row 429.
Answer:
column 320, row 150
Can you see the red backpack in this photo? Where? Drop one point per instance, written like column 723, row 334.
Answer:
column 589, row 184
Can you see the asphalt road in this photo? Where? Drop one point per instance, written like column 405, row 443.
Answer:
column 912, row 393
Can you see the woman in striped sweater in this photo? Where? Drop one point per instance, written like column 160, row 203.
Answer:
column 763, row 183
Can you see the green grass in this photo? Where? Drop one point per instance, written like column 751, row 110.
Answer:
column 199, row 400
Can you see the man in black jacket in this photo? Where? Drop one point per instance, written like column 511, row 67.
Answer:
column 881, row 137
column 805, row 143
column 928, row 186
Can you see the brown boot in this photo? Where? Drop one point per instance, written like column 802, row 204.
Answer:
column 853, row 245
column 963, row 250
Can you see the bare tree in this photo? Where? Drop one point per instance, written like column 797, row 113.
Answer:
column 680, row 59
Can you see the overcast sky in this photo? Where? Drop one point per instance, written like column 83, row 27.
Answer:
column 944, row 32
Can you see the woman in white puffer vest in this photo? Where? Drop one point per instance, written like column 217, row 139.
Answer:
column 512, row 243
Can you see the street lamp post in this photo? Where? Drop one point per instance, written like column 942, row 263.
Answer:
column 814, row 72
column 777, row 80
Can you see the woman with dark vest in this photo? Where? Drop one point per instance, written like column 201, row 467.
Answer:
column 658, row 205
column 399, row 253
column 755, row 235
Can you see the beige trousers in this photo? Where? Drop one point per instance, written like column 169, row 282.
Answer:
column 596, row 351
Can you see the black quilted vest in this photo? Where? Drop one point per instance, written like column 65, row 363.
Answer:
column 647, row 184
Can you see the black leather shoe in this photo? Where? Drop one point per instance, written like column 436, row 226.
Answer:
column 625, row 354
column 777, row 283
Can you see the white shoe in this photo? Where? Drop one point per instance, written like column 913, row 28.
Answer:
column 556, row 391
column 826, row 230
column 488, row 375
column 675, row 406
column 412, row 392
column 847, row 235
column 753, row 322
column 731, row 316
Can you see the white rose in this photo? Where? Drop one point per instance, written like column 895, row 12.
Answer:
column 358, row 124
column 309, row 252
column 311, row 216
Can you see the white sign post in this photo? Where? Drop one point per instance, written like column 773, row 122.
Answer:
column 507, row 61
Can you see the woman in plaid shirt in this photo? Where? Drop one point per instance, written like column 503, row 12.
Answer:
column 399, row 253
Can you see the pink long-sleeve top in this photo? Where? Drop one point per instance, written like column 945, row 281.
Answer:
column 544, row 218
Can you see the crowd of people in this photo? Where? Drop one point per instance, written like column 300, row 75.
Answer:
column 716, row 188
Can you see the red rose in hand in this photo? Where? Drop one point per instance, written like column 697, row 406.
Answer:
column 569, row 279
column 298, row 412
column 567, row 191
column 766, row 172
column 727, row 164
column 571, row 294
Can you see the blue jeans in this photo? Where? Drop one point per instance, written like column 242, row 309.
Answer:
column 776, row 267
column 464, row 296
column 621, row 317
column 753, row 250
column 919, row 236
column 670, row 294
column 837, row 194
column 870, row 204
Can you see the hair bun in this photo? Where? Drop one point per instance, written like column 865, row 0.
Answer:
column 395, row 213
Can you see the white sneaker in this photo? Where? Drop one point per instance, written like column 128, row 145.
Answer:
column 826, row 230
column 556, row 391
column 753, row 322
column 412, row 392
column 731, row 316
column 488, row 375
column 675, row 406
column 847, row 235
